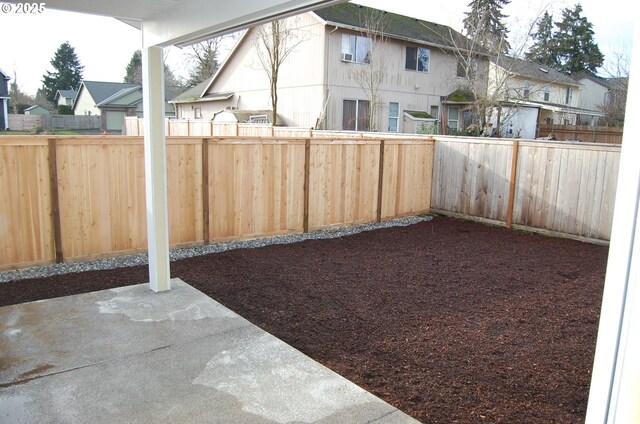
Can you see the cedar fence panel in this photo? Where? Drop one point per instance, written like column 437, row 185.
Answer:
column 26, row 227
column 69, row 198
column 584, row 133
column 558, row 187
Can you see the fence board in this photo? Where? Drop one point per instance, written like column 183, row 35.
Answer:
column 26, row 231
column 255, row 188
column 343, row 182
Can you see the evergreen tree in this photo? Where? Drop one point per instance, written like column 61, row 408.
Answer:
column 205, row 58
column 134, row 69
column 544, row 49
column 576, row 49
column 483, row 24
column 67, row 73
column 133, row 72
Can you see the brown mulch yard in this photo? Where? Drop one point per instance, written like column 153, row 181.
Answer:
column 448, row 320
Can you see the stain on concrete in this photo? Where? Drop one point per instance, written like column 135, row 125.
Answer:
column 278, row 383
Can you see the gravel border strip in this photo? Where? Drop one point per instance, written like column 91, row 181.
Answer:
column 188, row 252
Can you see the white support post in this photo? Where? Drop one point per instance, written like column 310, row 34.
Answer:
column 5, row 113
column 614, row 396
column 155, row 161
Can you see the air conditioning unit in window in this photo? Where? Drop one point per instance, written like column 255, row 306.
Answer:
column 347, row 57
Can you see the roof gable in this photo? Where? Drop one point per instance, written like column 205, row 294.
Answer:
column 4, row 75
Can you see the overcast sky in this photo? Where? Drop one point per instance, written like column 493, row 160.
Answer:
column 105, row 45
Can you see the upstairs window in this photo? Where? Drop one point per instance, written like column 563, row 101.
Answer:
column 417, row 59
column 569, row 96
column 527, row 89
column 356, row 49
column 547, row 92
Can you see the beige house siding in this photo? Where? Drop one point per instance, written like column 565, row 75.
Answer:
column 85, row 105
column 314, row 81
column 412, row 90
column 592, row 95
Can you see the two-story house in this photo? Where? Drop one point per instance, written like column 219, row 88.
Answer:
column 4, row 100
column 531, row 93
column 326, row 81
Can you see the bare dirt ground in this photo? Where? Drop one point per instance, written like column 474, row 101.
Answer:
column 448, row 320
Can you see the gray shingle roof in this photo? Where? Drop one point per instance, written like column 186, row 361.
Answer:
column 101, row 90
column 69, row 94
column 396, row 26
column 533, row 70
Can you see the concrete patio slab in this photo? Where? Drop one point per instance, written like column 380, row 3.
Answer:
column 131, row 355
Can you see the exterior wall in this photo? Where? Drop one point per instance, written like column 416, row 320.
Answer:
column 413, row 90
column 300, row 93
column 592, row 95
column 515, row 85
column 85, row 105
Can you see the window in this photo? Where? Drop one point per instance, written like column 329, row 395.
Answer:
column 417, row 59
column 435, row 112
column 356, row 49
column 547, row 92
column 197, row 113
column 527, row 89
column 394, row 112
column 453, row 118
column 355, row 115
column 569, row 95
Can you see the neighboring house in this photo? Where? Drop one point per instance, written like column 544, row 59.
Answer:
column 113, row 101
column 90, row 93
column 36, row 110
column 320, row 83
column 64, row 97
column 531, row 93
column 600, row 94
column 128, row 102
column 4, row 100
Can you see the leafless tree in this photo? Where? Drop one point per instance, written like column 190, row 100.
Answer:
column 617, row 73
column 371, row 76
column 275, row 42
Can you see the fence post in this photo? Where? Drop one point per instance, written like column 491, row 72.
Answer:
column 307, row 174
column 55, row 201
column 380, row 176
column 512, row 183
column 205, row 192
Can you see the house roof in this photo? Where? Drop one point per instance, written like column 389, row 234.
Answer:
column 36, row 107
column 69, row 94
column 533, row 70
column 598, row 80
column 4, row 75
column 350, row 15
column 100, row 90
column 113, row 100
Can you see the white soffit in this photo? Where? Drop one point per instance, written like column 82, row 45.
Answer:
column 183, row 22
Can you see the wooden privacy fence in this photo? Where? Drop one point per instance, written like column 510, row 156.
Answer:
column 70, row 198
column 558, row 187
column 584, row 133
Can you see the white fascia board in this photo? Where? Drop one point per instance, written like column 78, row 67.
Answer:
column 195, row 20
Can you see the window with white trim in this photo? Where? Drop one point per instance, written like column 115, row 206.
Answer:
column 197, row 113
column 527, row 89
column 417, row 59
column 355, row 115
column 394, row 115
column 547, row 92
column 569, row 96
column 356, row 48
column 453, row 117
